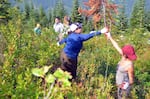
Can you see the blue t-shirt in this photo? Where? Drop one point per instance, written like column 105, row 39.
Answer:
column 37, row 31
column 74, row 43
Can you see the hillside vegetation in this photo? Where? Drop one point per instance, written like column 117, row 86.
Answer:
column 28, row 62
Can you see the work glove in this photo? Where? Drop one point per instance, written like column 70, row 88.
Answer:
column 104, row 30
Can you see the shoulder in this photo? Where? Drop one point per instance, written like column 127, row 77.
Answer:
column 130, row 66
column 60, row 24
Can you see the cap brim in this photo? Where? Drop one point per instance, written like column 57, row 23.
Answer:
column 132, row 57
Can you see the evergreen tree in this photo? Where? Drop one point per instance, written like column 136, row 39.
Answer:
column 59, row 9
column 53, row 15
column 87, row 24
column 43, row 17
column 75, row 16
column 34, row 17
column 34, row 14
column 4, row 6
column 50, row 17
column 122, row 19
column 147, row 20
column 27, row 10
column 137, row 17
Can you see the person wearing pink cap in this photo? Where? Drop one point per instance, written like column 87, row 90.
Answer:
column 125, row 68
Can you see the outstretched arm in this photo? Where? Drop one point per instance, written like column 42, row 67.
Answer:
column 115, row 44
column 85, row 37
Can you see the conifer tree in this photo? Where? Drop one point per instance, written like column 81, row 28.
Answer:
column 34, row 17
column 137, row 17
column 122, row 19
column 59, row 9
column 147, row 20
column 27, row 10
column 34, row 14
column 50, row 17
column 42, row 16
column 4, row 6
column 75, row 16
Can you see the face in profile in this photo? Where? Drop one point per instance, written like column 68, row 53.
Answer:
column 57, row 20
column 79, row 30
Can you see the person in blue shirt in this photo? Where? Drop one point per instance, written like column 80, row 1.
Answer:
column 37, row 29
column 74, row 43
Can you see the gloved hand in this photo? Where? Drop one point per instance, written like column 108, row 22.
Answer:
column 58, row 44
column 108, row 34
column 104, row 30
column 124, row 85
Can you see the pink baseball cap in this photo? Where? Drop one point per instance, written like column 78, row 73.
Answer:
column 129, row 51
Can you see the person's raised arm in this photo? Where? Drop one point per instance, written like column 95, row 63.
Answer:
column 115, row 44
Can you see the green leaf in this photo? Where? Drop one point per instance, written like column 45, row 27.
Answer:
column 66, row 83
column 59, row 73
column 67, row 75
column 39, row 72
column 46, row 68
column 50, row 78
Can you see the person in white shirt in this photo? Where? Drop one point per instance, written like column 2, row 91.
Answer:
column 58, row 27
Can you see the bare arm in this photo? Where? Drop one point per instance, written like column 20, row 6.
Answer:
column 115, row 44
column 131, row 74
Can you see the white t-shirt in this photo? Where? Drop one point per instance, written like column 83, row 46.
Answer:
column 58, row 27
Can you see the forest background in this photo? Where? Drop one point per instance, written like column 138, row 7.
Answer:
column 27, row 60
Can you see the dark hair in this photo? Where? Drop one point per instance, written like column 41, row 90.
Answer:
column 57, row 18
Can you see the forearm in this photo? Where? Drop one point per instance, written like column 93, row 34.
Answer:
column 131, row 79
column 62, row 41
column 95, row 33
column 115, row 44
column 131, row 75
column 88, row 36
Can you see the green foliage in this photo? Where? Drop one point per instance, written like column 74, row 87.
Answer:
column 40, row 72
column 25, row 54
column 137, row 17
column 87, row 25
column 27, row 11
column 75, row 16
column 4, row 7
column 59, row 10
column 59, row 75
column 122, row 20
column 51, row 17
column 42, row 16
column 147, row 20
